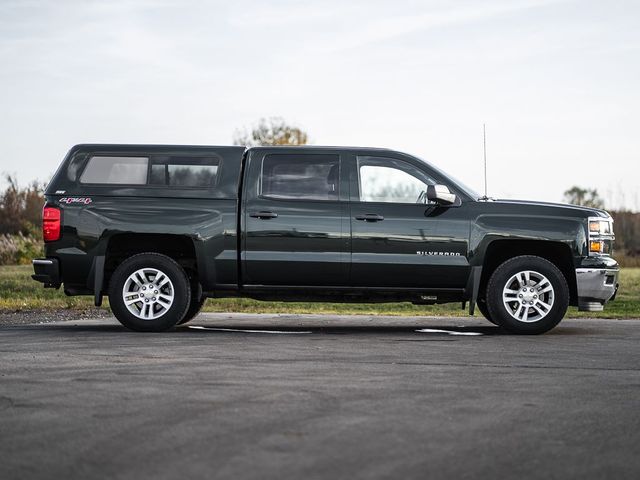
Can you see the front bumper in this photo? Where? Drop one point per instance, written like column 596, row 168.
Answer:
column 596, row 286
column 47, row 271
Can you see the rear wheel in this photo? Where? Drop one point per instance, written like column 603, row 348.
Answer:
column 196, row 304
column 527, row 295
column 149, row 292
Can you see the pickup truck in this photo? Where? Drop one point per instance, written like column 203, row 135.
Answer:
column 160, row 228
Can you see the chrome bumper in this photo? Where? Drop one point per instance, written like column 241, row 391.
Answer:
column 596, row 286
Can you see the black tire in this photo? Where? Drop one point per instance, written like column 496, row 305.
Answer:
column 505, row 318
column 181, row 292
column 484, row 310
column 194, row 309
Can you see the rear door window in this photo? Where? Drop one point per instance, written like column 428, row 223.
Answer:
column 116, row 170
column 302, row 177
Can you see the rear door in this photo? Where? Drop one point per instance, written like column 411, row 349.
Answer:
column 295, row 219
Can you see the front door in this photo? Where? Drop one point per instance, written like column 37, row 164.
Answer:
column 398, row 240
column 296, row 228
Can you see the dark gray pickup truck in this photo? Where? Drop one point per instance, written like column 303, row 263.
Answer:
column 161, row 228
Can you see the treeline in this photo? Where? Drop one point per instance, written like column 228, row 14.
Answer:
column 21, row 231
column 20, row 222
column 627, row 245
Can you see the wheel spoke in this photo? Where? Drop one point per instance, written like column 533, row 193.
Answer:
column 545, row 305
column 141, row 276
column 528, row 296
column 132, row 301
column 146, row 281
column 540, row 312
column 521, row 279
column 165, row 299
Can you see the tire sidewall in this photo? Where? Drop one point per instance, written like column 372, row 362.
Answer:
column 182, row 292
column 481, row 304
column 197, row 302
column 504, row 272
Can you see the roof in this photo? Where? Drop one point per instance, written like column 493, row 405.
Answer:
column 168, row 147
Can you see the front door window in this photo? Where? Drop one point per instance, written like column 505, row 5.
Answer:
column 391, row 181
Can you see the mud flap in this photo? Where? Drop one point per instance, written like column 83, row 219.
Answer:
column 98, row 279
column 473, row 287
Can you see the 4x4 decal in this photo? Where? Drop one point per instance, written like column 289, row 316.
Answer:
column 72, row 200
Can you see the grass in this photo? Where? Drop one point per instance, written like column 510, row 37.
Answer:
column 19, row 292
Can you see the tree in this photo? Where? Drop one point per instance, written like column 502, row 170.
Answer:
column 584, row 196
column 271, row 131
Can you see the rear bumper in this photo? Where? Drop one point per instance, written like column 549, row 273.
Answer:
column 596, row 286
column 47, row 271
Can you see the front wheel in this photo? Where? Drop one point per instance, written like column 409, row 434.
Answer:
column 527, row 295
column 149, row 292
column 484, row 310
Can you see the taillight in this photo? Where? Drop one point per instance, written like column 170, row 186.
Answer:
column 51, row 224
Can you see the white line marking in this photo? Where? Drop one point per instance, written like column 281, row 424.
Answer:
column 450, row 332
column 249, row 331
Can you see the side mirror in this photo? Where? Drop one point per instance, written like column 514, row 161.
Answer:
column 440, row 194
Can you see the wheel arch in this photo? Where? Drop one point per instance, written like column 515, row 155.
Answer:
column 180, row 248
column 558, row 253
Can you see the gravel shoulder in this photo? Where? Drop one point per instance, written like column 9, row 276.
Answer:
column 39, row 316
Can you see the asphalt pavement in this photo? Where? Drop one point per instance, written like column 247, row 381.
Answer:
column 310, row 397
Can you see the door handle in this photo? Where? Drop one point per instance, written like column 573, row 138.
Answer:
column 370, row 217
column 263, row 215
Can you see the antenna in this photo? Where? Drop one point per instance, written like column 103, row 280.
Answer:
column 484, row 147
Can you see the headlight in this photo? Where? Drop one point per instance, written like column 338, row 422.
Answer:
column 600, row 227
column 600, row 236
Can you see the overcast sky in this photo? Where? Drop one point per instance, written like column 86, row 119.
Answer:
column 556, row 82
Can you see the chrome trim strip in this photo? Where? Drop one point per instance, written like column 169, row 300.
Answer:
column 39, row 261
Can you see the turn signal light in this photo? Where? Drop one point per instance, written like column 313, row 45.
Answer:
column 51, row 224
column 596, row 247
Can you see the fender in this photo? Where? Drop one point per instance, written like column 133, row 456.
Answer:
column 491, row 227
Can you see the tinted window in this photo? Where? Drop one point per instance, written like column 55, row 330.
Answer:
column 311, row 177
column 116, row 170
column 184, row 171
column 391, row 180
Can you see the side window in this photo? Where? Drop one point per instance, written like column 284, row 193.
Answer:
column 116, row 170
column 390, row 180
column 184, row 171
column 306, row 176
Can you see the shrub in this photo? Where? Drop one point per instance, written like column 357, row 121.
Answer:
column 19, row 249
column 20, row 207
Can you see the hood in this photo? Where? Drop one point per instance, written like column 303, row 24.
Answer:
column 587, row 211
